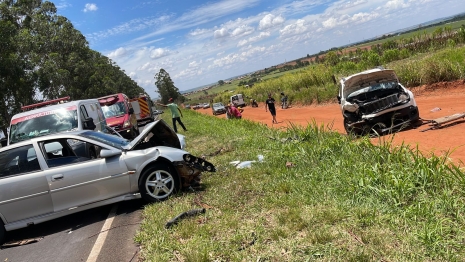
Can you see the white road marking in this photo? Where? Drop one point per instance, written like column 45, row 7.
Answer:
column 102, row 236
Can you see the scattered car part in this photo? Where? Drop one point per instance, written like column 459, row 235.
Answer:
column 439, row 122
column 183, row 215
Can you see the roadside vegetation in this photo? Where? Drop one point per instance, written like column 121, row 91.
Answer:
column 317, row 195
column 422, row 58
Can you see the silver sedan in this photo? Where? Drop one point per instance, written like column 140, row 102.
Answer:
column 55, row 175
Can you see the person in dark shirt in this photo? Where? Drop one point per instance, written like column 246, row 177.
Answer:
column 269, row 105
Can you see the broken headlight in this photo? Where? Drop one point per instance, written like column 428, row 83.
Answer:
column 403, row 97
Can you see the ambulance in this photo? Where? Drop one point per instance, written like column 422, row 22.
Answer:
column 55, row 116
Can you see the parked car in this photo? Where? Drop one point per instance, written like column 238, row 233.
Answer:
column 205, row 105
column 375, row 102
column 218, row 108
column 187, row 106
column 47, row 177
column 158, row 112
column 198, row 106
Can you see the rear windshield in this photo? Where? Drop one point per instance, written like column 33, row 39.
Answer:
column 44, row 123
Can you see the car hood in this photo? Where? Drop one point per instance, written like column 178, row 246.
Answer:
column 157, row 131
column 363, row 79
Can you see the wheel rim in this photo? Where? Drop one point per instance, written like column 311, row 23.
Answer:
column 159, row 184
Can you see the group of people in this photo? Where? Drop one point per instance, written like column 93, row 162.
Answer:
column 232, row 112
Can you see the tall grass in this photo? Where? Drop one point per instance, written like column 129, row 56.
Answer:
column 318, row 195
column 315, row 84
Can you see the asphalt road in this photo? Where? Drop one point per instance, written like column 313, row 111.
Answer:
column 71, row 238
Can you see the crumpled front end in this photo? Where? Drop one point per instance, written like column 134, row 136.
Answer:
column 375, row 100
column 191, row 168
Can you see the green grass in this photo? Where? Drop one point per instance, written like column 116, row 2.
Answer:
column 341, row 200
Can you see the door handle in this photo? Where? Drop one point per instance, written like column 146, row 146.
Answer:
column 57, row 177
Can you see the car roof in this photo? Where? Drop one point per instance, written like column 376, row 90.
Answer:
column 69, row 134
column 52, row 107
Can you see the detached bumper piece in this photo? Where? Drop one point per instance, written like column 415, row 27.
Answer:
column 199, row 163
column 191, row 169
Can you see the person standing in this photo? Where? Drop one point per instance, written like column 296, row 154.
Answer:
column 269, row 104
column 233, row 112
column 283, row 101
column 176, row 114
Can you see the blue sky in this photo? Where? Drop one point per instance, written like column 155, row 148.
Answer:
column 201, row 42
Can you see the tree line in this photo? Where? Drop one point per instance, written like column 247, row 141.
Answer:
column 42, row 57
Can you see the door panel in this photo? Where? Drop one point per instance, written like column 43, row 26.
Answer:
column 78, row 180
column 24, row 191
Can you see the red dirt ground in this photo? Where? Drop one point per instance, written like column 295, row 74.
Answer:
column 448, row 96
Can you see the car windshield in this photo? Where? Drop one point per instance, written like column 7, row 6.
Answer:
column 374, row 87
column 117, row 109
column 41, row 124
column 218, row 105
column 111, row 140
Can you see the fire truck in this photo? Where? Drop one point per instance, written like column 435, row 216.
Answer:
column 143, row 111
column 120, row 115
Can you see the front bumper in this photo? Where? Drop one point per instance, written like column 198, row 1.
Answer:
column 404, row 115
column 191, row 171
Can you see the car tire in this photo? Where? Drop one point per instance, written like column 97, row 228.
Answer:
column 158, row 182
column 351, row 131
column 376, row 130
column 2, row 232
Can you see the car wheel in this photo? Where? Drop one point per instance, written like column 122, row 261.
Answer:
column 376, row 129
column 158, row 183
column 2, row 232
column 350, row 130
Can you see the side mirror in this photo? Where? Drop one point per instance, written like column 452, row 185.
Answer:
column 339, row 99
column 131, row 111
column 89, row 124
column 104, row 153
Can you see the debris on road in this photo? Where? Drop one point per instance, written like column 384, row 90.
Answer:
column 189, row 213
column 436, row 109
column 246, row 164
column 439, row 122
column 21, row 242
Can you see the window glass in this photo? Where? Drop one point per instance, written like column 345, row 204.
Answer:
column 18, row 160
column 43, row 123
column 69, row 151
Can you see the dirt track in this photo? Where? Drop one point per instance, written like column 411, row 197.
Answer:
column 449, row 97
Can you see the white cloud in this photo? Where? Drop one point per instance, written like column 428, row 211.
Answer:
column 253, row 39
column 90, row 7
column 242, row 31
column 396, row 4
column 298, row 27
column 62, row 5
column 221, row 33
column 159, row 52
column 117, row 53
column 270, row 21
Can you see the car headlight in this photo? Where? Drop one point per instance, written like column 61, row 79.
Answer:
column 188, row 158
column 403, row 97
column 126, row 123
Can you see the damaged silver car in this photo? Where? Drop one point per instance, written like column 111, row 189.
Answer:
column 52, row 176
column 375, row 102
